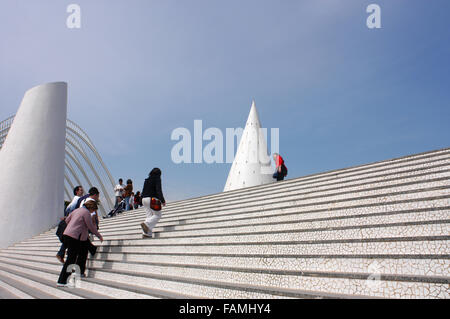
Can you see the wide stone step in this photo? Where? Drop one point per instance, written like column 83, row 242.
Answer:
column 329, row 185
column 293, row 279
column 284, row 218
column 44, row 276
column 91, row 285
column 294, row 225
column 180, row 284
column 422, row 245
column 439, row 186
column 286, row 195
column 277, row 197
column 430, row 228
column 343, row 234
column 411, row 265
column 324, row 284
column 155, row 293
column 404, row 162
column 335, row 282
column 438, row 189
column 344, row 217
column 285, row 187
column 408, row 200
column 292, row 229
column 5, row 293
column 9, row 289
column 325, row 235
column 35, row 286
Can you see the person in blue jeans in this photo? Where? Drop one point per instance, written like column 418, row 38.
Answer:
column 127, row 193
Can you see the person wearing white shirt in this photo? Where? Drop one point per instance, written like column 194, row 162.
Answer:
column 78, row 192
column 118, row 191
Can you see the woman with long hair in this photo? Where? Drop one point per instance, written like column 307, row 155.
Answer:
column 152, row 198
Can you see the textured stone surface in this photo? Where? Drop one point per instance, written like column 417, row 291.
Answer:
column 379, row 230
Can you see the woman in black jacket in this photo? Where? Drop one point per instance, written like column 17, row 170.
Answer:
column 152, row 189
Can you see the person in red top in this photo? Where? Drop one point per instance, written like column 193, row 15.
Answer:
column 281, row 170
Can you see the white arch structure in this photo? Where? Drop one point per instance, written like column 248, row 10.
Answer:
column 83, row 164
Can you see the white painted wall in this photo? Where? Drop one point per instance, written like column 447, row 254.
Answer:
column 32, row 165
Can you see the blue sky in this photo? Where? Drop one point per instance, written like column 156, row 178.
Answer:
column 341, row 94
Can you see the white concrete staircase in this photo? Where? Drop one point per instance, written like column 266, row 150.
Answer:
column 376, row 230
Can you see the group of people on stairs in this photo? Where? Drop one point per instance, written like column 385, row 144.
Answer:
column 81, row 219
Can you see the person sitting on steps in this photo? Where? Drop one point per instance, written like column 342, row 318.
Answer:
column 281, row 169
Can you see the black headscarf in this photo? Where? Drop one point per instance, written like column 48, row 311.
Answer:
column 155, row 172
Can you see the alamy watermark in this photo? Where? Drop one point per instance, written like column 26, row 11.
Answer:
column 374, row 19
column 74, row 280
column 373, row 282
column 189, row 147
column 73, row 21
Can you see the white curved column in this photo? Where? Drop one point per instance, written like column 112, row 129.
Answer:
column 32, row 165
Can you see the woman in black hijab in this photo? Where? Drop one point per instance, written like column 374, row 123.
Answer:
column 152, row 198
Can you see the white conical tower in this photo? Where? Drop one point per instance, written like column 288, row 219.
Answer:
column 251, row 165
column 32, row 165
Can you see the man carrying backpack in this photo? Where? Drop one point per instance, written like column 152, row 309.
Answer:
column 78, row 193
column 281, row 169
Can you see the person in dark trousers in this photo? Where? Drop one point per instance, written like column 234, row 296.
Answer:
column 152, row 189
column 137, row 200
column 281, row 170
column 79, row 222
column 92, row 195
